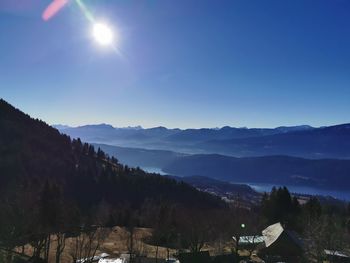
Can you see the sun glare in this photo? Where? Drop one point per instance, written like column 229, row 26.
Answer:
column 103, row 34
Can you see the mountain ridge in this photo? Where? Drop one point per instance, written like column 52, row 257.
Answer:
column 299, row 141
column 139, row 127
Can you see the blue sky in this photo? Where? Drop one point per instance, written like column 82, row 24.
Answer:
column 182, row 63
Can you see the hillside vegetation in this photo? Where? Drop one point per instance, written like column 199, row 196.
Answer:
column 52, row 184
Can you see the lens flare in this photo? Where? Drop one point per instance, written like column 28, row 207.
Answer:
column 53, row 9
column 103, row 34
column 85, row 10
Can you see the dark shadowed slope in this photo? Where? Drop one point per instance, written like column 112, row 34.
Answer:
column 219, row 187
column 33, row 153
column 137, row 157
column 325, row 173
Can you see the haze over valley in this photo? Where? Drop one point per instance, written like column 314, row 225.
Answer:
column 298, row 156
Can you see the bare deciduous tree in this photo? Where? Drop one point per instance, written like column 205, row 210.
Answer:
column 87, row 242
column 61, row 243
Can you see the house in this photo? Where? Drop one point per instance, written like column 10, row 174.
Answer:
column 250, row 240
column 337, row 256
column 280, row 244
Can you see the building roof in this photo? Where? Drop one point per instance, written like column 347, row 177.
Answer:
column 272, row 233
column 111, row 260
column 246, row 240
column 336, row 253
column 282, row 243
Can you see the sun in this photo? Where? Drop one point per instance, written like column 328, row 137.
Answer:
column 103, row 34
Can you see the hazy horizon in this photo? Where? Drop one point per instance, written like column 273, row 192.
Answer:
column 183, row 128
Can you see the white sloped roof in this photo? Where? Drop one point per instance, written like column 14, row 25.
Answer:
column 111, row 260
column 272, row 233
column 335, row 253
column 251, row 239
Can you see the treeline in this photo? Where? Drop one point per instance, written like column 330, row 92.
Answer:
column 321, row 226
column 318, row 226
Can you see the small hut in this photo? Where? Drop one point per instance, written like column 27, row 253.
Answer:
column 281, row 244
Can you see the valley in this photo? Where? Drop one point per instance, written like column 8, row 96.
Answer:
column 302, row 175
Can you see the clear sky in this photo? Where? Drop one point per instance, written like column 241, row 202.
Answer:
column 182, row 63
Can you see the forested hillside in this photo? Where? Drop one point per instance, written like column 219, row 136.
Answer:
column 50, row 183
column 32, row 151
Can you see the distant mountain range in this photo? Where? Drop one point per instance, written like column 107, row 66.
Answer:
column 325, row 142
column 299, row 155
column 299, row 141
column 279, row 170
